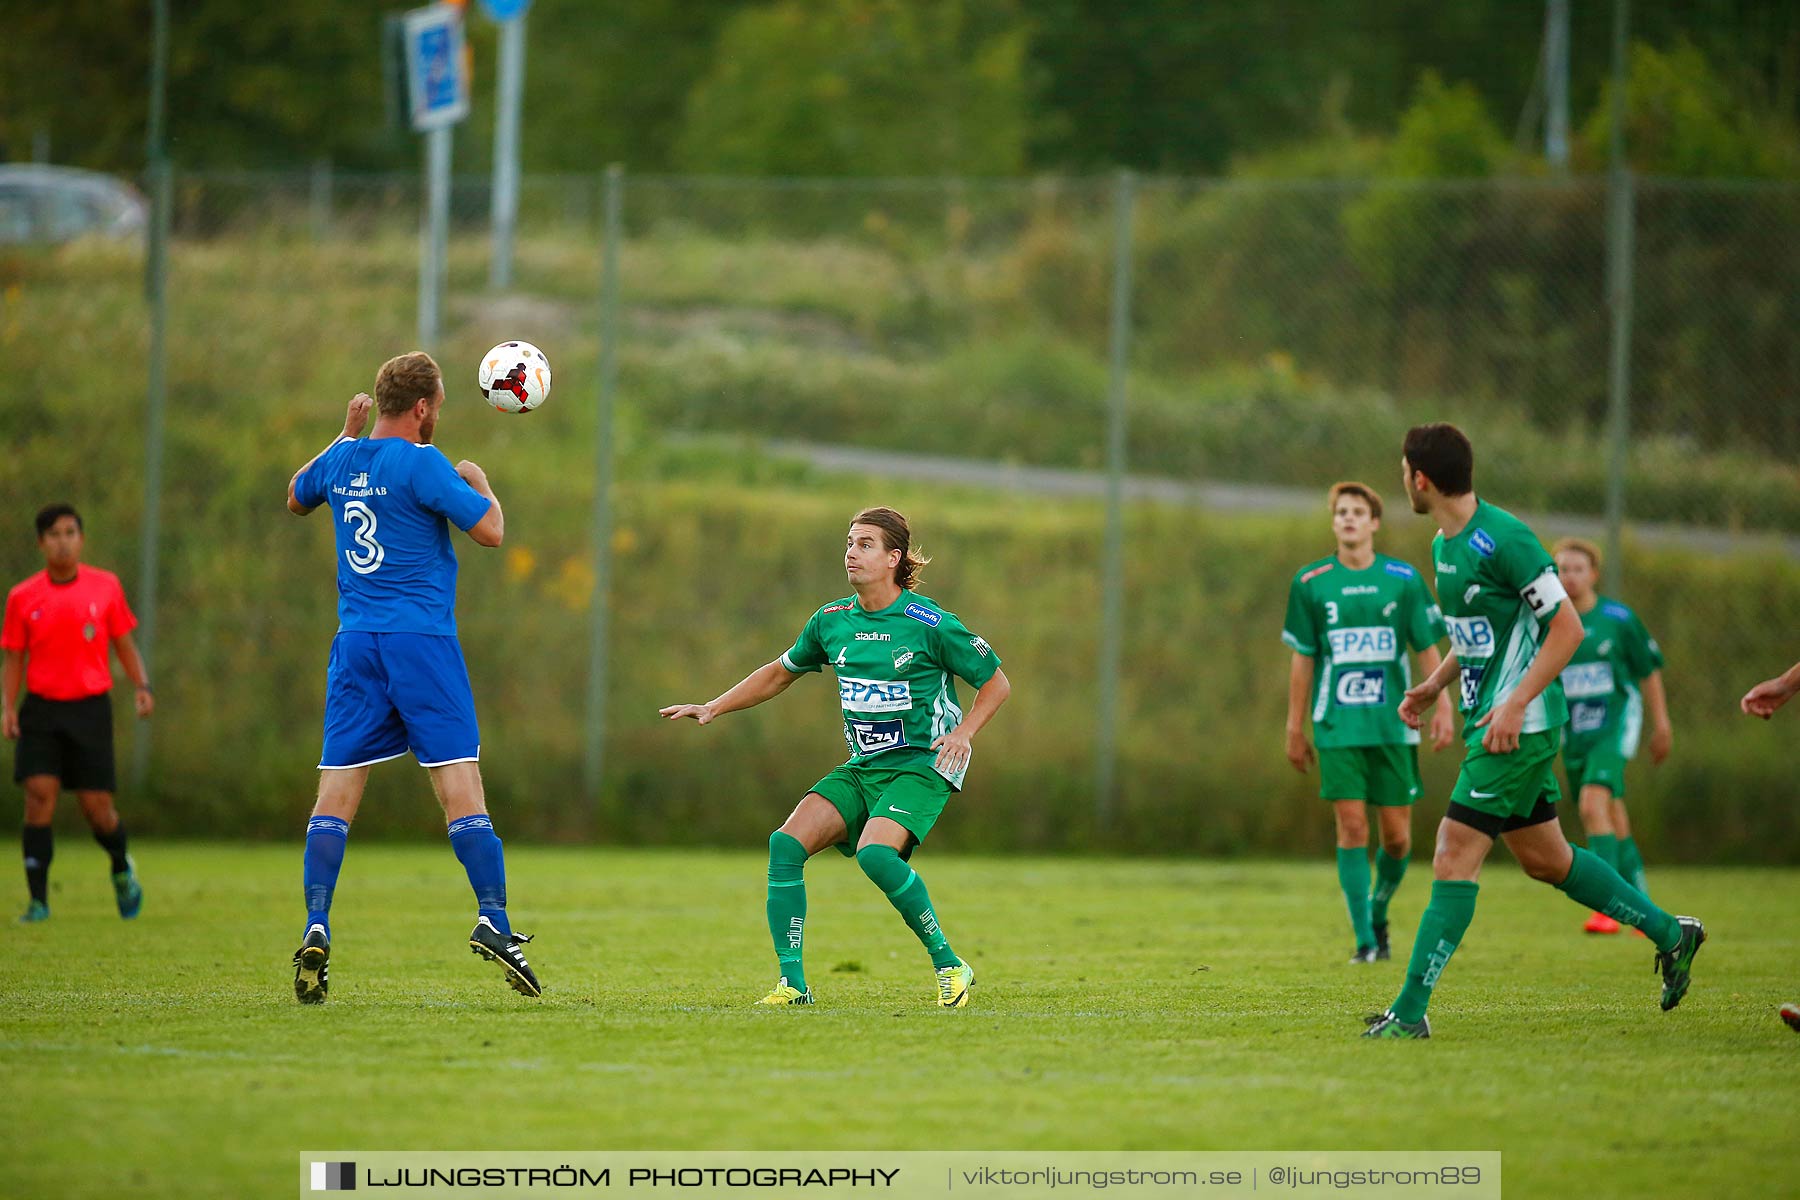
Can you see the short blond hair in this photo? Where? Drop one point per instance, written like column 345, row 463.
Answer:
column 404, row 380
column 1580, row 546
column 1362, row 491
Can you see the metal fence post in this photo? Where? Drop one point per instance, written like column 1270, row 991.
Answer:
column 1112, row 571
column 1621, row 217
column 156, row 283
column 594, row 765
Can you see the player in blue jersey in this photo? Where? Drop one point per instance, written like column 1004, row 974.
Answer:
column 396, row 681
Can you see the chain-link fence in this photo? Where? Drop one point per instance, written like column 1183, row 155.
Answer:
column 789, row 350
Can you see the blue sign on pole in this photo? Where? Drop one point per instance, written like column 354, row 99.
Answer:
column 436, row 68
column 505, row 10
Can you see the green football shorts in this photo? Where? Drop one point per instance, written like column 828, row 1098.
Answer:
column 899, row 785
column 1387, row 776
column 1510, row 787
column 1600, row 764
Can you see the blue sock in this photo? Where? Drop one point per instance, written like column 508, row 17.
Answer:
column 326, row 838
column 477, row 847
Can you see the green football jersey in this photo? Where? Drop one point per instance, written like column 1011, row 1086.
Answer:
column 1498, row 588
column 1601, row 681
column 1357, row 626
column 896, row 670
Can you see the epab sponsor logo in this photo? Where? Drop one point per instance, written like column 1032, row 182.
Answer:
column 1363, row 644
column 874, row 695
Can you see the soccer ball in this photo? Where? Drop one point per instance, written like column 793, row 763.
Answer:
column 514, row 377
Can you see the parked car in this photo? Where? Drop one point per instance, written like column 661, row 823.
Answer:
column 41, row 203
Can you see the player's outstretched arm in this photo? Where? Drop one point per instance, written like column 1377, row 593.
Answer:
column 1769, row 695
column 1299, row 749
column 765, row 683
column 1420, row 695
column 355, row 417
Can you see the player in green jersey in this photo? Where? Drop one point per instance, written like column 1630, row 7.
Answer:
column 1511, row 634
column 1614, row 679
column 896, row 655
column 1350, row 620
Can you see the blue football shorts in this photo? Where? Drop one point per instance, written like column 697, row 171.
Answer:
column 387, row 693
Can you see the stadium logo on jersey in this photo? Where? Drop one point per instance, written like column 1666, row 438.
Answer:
column 919, row 612
column 874, row 695
column 866, row 636
column 360, row 479
column 1471, row 637
column 1587, row 679
column 902, row 656
column 1363, row 644
column 1362, row 689
column 1400, row 569
column 1445, row 568
column 874, row 737
column 1363, row 589
column 981, row 646
column 1482, row 544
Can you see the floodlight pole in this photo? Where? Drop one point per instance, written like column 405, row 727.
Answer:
column 156, row 279
column 594, row 763
column 1621, row 220
column 506, row 150
column 434, row 247
column 1112, row 571
column 1556, row 84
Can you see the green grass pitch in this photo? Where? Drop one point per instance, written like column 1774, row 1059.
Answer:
column 1120, row 1004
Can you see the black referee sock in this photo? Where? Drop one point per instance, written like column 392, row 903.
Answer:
column 39, row 845
column 114, row 844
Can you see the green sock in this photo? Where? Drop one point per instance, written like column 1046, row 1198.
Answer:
column 1389, row 872
column 1593, row 883
column 906, row 892
column 787, row 904
column 1353, row 877
column 1441, row 930
column 1631, row 864
column 1605, row 847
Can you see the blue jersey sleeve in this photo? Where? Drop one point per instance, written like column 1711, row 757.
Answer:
column 309, row 488
column 438, row 487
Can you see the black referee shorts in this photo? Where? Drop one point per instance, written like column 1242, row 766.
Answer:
column 70, row 739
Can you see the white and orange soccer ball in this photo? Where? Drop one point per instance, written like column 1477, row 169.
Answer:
column 514, row 377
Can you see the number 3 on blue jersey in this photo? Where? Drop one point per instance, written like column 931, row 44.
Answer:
column 368, row 559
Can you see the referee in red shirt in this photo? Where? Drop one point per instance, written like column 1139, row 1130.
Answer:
column 57, row 627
